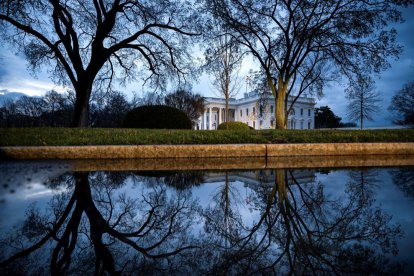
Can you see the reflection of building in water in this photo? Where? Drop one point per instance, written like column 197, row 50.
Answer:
column 260, row 177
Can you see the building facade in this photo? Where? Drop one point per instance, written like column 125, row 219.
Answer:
column 256, row 112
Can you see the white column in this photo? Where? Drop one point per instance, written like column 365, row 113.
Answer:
column 209, row 118
column 204, row 119
column 219, row 117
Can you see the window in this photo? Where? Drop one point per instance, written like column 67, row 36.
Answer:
column 271, row 123
column 293, row 124
column 247, row 112
column 261, row 110
column 301, row 112
column 241, row 113
column 271, row 109
column 301, row 125
column 309, row 125
column 254, row 124
column 254, row 110
column 309, row 112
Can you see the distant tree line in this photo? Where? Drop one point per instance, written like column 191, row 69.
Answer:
column 106, row 109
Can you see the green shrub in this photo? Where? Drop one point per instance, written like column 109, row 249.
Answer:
column 234, row 126
column 157, row 116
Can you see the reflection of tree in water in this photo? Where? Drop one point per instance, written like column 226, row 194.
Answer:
column 99, row 227
column 222, row 218
column 362, row 183
column 404, row 179
column 301, row 230
column 94, row 227
column 180, row 180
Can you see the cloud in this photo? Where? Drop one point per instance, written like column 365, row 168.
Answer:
column 15, row 77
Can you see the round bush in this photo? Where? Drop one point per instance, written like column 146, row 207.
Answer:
column 234, row 126
column 157, row 116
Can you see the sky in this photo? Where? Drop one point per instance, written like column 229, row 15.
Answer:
column 15, row 77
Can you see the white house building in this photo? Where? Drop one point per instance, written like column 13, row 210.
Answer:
column 250, row 111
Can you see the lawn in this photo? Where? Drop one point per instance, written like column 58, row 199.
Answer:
column 110, row 136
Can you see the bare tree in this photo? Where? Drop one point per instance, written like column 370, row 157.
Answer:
column 363, row 101
column 302, row 44
column 402, row 104
column 91, row 43
column 223, row 62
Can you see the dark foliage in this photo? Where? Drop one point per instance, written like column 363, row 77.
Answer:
column 157, row 116
column 403, row 105
column 111, row 112
column 191, row 104
column 325, row 118
column 53, row 109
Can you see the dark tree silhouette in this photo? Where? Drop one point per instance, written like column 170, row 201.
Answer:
column 404, row 179
column 297, row 43
column 180, row 180
column 402, row 104
column 191, row 104
column 325, row 118
column 90, row 43
column 111, row 111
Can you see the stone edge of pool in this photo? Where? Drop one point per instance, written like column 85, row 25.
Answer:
column 205, row 151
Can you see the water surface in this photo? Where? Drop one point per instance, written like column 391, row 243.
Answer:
column 55, row 219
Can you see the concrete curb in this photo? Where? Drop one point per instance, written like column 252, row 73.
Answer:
column 339, row 149
column 141, row 151
column 205, row 151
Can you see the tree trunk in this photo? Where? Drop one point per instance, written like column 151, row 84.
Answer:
column 227, row 112
column 81, row 111
column 280, row 112
column 280, row 98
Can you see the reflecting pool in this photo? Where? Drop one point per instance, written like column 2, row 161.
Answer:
column 58, row 219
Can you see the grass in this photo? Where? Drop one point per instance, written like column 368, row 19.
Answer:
column 107, row 136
